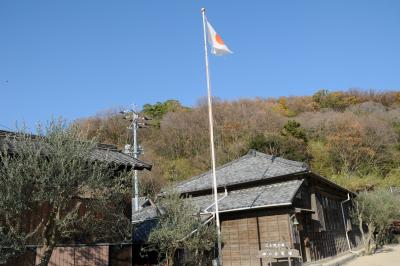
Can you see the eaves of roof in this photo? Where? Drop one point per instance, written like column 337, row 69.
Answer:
column 261, row 197
column 330, row 183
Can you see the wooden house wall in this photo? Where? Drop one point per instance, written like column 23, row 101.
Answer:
column 326, row 237
column 353, row 229
column 243, row 235
column 102, row 255
column 69, row 256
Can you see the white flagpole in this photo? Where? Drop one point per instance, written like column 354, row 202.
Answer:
column 210, row 119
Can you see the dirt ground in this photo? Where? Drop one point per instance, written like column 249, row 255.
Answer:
column 388, row 256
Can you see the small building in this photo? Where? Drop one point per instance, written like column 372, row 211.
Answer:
column 77, row 251
column 264, row 199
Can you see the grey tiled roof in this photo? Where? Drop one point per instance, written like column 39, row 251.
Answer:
column 102, row 152
column 115, row 156
column 255, row 197
column 251, row 167
column 145, row 213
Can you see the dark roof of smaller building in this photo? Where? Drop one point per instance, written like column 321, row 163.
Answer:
column 251, row 167
column 273, row 195
column 102, row 152
column 142, row 231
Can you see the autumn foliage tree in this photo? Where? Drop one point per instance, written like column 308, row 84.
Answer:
column 352, row 136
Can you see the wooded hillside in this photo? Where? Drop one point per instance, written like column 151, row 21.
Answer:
column 352, row 137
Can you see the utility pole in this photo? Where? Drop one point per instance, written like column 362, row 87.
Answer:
column 135, row 155
column 136, row 123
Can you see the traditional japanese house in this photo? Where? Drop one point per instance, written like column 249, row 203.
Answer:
column 78, row 251
column 263, row 198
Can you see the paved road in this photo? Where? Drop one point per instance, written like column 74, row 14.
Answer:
column 388, row 256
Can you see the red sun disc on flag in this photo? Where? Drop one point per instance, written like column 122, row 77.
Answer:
column 219, row 39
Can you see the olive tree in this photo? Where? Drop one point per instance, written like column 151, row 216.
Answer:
column 10, row 245
column 375, row 212
column 54, row 190
column 180, row 228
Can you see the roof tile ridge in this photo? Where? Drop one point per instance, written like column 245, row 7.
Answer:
column 104, row 146
column 282, row 160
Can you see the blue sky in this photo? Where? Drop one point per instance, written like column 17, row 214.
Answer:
column 75, row 58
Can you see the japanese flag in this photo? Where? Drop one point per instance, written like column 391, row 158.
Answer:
column 218, row 47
